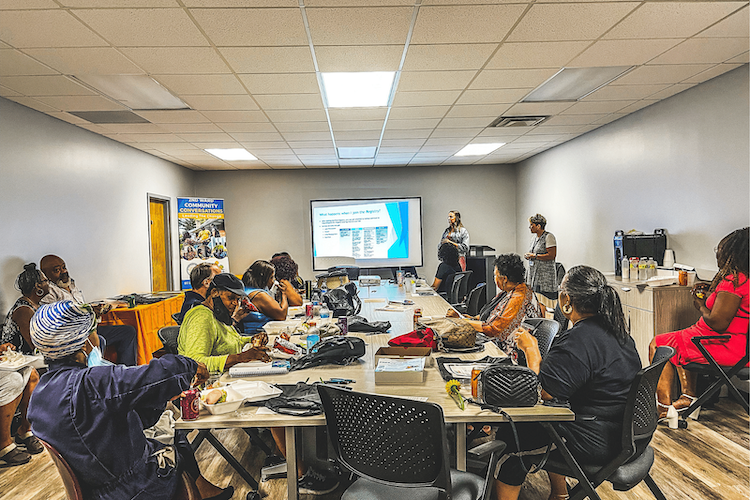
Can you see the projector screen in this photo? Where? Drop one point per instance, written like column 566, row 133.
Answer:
column 382, row 232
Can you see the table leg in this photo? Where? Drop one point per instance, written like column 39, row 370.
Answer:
column 461, row 446
column 291, row 460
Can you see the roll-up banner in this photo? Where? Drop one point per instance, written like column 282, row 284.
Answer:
column 200, row 222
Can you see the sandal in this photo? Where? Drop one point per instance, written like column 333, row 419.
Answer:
column 30, row 442
column 668, row 414
column 683, row 406
column 13, row 457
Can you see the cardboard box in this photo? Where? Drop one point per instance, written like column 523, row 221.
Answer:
column 401, row 371
column 405, row 353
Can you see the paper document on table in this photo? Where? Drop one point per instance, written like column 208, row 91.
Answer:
column 392, row 307
column 463, row 370
column 400, row 365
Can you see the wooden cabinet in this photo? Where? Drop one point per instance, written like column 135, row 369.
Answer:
column 651, row 311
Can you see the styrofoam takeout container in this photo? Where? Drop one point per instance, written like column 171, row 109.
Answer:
column 661, row 280
column 255, row 390
column 233, row 402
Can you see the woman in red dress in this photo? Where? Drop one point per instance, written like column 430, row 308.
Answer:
column 724, row 310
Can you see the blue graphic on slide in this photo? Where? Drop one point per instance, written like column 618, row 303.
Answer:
column 399, row 215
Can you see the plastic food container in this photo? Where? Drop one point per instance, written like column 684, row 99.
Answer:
column 233, row 402
column 661, row 280
column 255, row 390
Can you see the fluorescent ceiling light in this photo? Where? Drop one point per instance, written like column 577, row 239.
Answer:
column 351, row 153
column 134, row 91
column 358, row 90
column 479, row 149
column 232, row 154
column 572, row 84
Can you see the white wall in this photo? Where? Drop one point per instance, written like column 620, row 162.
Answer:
column 67, row 191
column 680, row 164
column 269, row 211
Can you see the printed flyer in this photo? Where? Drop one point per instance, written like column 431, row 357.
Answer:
column 200, row 222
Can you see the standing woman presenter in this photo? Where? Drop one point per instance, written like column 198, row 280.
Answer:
column 542, row 273
column 457, row 235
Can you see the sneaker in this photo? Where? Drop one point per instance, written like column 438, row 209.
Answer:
column 316, row 483
column 14, row 457
column 31, row 443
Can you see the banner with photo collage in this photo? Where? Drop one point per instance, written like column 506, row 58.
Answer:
column 200, row 222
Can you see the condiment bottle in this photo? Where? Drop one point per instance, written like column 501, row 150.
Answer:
column 651, row 267
column 643, row 269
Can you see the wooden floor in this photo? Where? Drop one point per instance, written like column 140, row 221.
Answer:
column 710, row 460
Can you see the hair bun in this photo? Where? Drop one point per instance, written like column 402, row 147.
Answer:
column 29, row 267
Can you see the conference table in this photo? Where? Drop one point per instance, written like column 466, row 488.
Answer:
column 374, row 300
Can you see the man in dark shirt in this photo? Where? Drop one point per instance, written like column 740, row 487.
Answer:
column 200, row 277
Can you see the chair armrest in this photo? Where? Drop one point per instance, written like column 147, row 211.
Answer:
column 487, row 448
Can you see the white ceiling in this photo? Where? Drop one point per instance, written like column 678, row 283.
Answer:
column 249, row 73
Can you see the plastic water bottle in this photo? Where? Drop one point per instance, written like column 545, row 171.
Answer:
column 325, row 313
column 625, row 264
column 651, row 267
column 643, row 269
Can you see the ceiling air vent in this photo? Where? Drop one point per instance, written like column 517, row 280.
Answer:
column 109, row 116
column 518, row 121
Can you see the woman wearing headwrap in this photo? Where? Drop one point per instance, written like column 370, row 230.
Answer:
column 95, row 414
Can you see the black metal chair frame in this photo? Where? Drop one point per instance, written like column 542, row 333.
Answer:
column 639, row 424
column 473, row 302
column 408, row 418
column 723, row 374
column 545, row 330
column 458, row 287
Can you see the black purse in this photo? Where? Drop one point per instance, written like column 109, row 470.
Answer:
column 343, row 301
column 508, row 386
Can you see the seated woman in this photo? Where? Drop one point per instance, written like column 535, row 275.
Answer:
column 724, row 310
column 258, row 280
column 286, row 273
column 95, row 414
column 449, row 265
column 33, row 285
column 15, row 391
column 514, row 306
column 592, row 366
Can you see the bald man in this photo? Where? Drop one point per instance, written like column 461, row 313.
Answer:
column 62, row 287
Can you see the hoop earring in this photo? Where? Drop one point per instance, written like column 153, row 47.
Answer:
column 40, row 293
column 567, row 309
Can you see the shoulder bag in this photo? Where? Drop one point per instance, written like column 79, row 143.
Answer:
column 451, row 332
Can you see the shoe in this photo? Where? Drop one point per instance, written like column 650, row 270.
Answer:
column 14, row 456
column 273, row 460
column 316, row 483
column 668, row 414
column 226, row 494
column 562, row 496
column 31, row 443
column 684, row 402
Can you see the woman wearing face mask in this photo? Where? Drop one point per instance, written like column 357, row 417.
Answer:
column 457, row 235
column 517, row 303
column 259, row 278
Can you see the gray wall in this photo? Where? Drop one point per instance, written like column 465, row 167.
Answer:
column 680, row 164
column 68, row 191
column 269, row 211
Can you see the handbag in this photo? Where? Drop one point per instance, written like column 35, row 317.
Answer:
column 451, row 332
column 343, row 301
column 422, row 337
column 360, row 324
column 507, row 386
column 339, row 350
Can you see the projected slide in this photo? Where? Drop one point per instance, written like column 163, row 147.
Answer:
column 376, row 232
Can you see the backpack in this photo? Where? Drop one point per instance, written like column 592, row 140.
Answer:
column 339, row 350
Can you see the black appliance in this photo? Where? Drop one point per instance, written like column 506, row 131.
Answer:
column 639, row 245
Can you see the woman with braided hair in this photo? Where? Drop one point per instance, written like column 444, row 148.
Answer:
column 724, row 310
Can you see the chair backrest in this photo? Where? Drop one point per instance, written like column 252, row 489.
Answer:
column 69, row 479
column 463, row 290
column 559, row 273
column 454, row 292
column 477, row 298
column 351, row 271
column 544, row 330
column 177, row 318
column 168, row 336
column 388, row 440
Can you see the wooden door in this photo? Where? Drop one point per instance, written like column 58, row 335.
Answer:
column 159, row 234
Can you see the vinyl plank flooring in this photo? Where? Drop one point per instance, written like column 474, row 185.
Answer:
column 710, row 460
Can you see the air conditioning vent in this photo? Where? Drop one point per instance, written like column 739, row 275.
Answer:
column 518, row 121
column 109, row 116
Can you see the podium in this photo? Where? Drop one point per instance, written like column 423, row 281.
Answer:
column 481, row 261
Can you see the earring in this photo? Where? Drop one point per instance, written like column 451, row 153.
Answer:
column 40, row 293
column 567, row 309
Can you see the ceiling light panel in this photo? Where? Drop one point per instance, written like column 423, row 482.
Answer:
column 357, row 90
column 355, row 153
column 231, row 154
column 139, row 92
column 572, row 84
column 479, row 149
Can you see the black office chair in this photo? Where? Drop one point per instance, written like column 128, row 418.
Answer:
column 168, row 336
column 463, row 289
column 723, row 375
column 398, row 448
column 476, row 299
column 177, row 318
column 544, row 330
column 459, row 284
column 633, row 463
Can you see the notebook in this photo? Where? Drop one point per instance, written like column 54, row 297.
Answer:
column 256, row 368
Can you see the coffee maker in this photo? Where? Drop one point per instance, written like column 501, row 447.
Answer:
column 639, row 245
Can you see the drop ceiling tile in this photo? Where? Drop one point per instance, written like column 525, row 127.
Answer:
column 672, row 19
column 740, row 59
column 281, row 83
column 177, row 60
column 151, row 138
column 51, row 28
column 173, row 116
column 637, row 105
column 404, row 113
column 465, row 24
column 358, row 114
column 356, row 163
column 286, row 164
column 511, row 78
column 133, row 128
column 254, row 165
column 622, row 52
column 34, row 104
column 258, row 137
column 28, row 4
column 269, row 148
column 216, row 144
column 535, row 54
column 357, row 143
column 290, row 101
column 447, row 57
column 319, row 152
column 583, row 21
column 86, row 60
column 233, row 128
column 538, row 108
column 189, row 127
column 447, row 141
column 201, row 84
column 311, row 144
column 495, row 96
column 704, row 50
column 666, row 73
column 220, row 102
column 412, row 124
column 302, row 127
column 44, row 85
column 249, row 27
column 457, row 133
column 477, row 110
column 357, row 125
column 172, row 147
column 482, row 121
column 306, row 136
column 6, row 92
column 16, row 63
column 206, row 137
column 713, row 72
column 297, row 115
column 356, row 135
column 670, row 91
column 269, row 59
column 359, row 26
column 596, row 107
column 358, row 58
column 81, row 103
column 144, row 27
column 235, row 116
column 98, row 129
column 607, row 119
column 395, row 150
column 427, row 98
column 398, row 133
column 736, row 25
column 66, row 117
column 624, row 92
column 434, row 80
column 573, row 119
